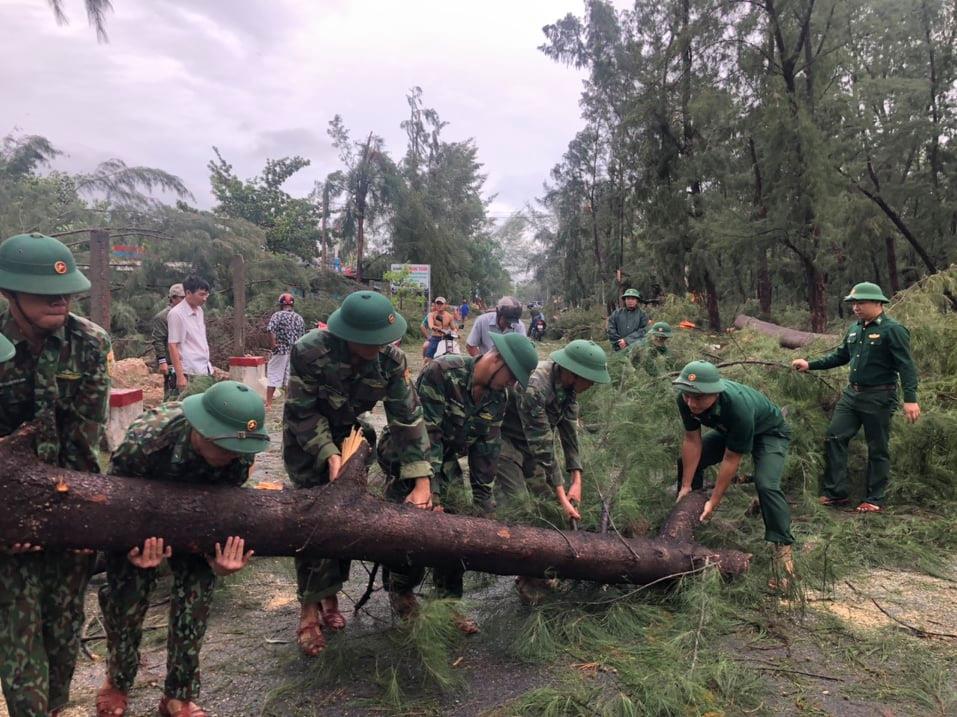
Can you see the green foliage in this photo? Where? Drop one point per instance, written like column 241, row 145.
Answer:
column 290, row 223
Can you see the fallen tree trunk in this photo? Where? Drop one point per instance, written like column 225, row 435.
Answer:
column 59, row 508
column 788, row 338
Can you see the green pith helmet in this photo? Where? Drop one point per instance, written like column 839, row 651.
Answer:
column 583, row 358
column 700, row 377
column 867, row 291
column 231, row 415
column 633, row 293
column 7, row 349
column 519, row 354
column 661, row 328
column 366, row 317
column 38, row 264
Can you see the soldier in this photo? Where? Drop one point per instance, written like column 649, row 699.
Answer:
column 335, row 376
column 59, row 379
column 209, row 439
column 547, row 404
column 627, row 325
column 745, row 421
column 463, row 402
column 878, row 351
column 652, row 353
column 160, row 338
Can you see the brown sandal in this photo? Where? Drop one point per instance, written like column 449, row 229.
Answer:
column 187, row 710
column 866, row 507
column 310, row 638
column 109, row 700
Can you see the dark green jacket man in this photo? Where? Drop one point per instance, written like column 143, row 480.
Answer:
column 627, row 324
column 877, row 349
column 58, row 378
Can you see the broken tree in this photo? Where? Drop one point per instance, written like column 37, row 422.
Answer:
column 787, row 338
column 55, row 507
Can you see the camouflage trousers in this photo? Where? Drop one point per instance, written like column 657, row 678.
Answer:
column 318, row 578
column 124, row 599
column 41, row 618
column 515, row 473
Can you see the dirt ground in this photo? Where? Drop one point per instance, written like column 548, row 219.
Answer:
column 251, row 664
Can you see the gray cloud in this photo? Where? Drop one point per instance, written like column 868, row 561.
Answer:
column 262, row 80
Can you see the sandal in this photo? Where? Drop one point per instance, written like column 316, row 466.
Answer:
column 310, row 638
column 188, row 709
column 333, row 619
column 832, row 502
column 108, row 701
column 866, row 507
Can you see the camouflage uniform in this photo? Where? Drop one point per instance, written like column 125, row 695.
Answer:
column 159, row 336
column 325, row 398
column 65, row 388
column 655, row 359
column 457, row 426
column 528, row 449
column 157, row 447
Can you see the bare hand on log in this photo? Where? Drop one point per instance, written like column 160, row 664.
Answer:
column 151, row 555
column 800, row 365
column 570, row 512
column 682, row 493
column 335, row 465
column 421, row 495
column 21, row 548
column 708, row 511
column 232, row 559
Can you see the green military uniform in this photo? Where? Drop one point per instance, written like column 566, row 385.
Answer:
column 325, row 399
column 65, row 389
column 627, row 324
column 652, row 352
column 744, row 421
column 157, row 447
column 528, row 449
column 878, row 353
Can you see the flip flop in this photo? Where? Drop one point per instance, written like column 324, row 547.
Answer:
column 187, row 710
column 109, row 700
column 866, row 507
column 334, row 619
column 310, row 639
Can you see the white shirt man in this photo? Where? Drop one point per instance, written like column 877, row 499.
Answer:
column 503, row 320
column 188, row 348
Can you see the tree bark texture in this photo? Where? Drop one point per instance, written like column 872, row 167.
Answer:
column 59, row 508
column 788, row 338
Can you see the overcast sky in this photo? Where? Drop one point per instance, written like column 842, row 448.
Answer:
column 262, row 79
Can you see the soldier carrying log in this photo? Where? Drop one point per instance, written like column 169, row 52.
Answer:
column 59, row 379
column 335, row 376
column 208, row 439
column 463, row 401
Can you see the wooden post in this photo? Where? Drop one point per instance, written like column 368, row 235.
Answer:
column 238, row 268
column 100, row 277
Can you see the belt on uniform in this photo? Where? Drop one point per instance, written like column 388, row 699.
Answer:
column 878, row 387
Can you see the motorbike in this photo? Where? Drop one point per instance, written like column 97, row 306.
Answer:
column 448, row 344
column 538, row 329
